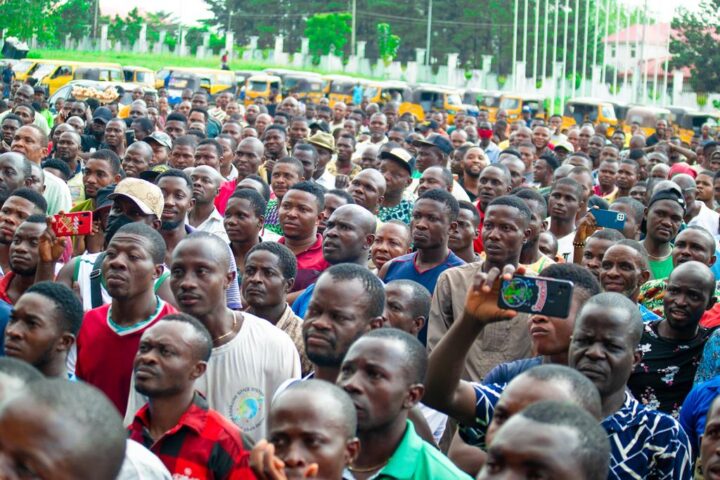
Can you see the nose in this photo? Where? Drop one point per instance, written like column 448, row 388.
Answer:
column 116, row 263
column 12, row 330
column 595, row 351
column 293, row 456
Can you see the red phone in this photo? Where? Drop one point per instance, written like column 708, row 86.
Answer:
column 72, row 223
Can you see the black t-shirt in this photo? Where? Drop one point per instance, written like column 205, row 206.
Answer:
column 664, row 377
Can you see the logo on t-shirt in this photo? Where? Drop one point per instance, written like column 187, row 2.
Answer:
column 247, row 409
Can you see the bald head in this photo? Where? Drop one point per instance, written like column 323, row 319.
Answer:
column 374, row 176
column 360, row 217
column 255, row 144
column 208, row 172
column 699, row 273
column 684, row 181
column 142, row 148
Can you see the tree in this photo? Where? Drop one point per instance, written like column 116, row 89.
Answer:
column 75, row 19
column 24, row 18
column 326, row 32
column 388, row 43
column 696, row 46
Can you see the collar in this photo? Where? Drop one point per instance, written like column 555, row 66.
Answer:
column 403, row 461
column 315, row 246
column 630, row 414
column 194, row 418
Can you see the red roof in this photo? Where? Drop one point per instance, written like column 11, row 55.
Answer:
column 653, row 64
column 654, row 34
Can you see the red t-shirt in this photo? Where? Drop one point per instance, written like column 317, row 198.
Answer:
column 224, row 193
column 4, row 284
column 310, row 264
column 478, row 243
column 105, row 351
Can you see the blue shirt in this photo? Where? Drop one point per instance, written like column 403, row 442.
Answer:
column 647, row 315
column 404, row 268
column 709, row 367
column 694, row 411
column 505, row 372
column 5, row 310
column 643, row 443
column 300, row 305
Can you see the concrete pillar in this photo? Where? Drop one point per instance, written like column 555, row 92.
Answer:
column 142, row 39
column 206, row 39
column 103, row 38
column 181, row 50
column 304, row 46
column 253, row 43
column 420, row 56
column 229, row 44
column 452, row 60
column 677, row 85
column 519, row 80
column 486, row 63
column 360, row 49
column 278, row 46
column 67, row 42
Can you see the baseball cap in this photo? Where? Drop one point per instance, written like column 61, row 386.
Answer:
column 565, row 145
column 102, row 114
column 101, row 197
column 147, row 196
column 400, row 155
column 160, row 137
column 321, row 125
column 323, row 140
column 435, row 140
column 668, row 194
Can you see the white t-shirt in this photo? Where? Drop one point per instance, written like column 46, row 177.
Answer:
column 707, row 219
column 242, row 376
column 141, row 464
column 566, row 247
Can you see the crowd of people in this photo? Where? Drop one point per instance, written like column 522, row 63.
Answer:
column 301, row 290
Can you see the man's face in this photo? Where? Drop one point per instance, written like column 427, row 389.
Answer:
column 529, row 449
column 474, row 162
column 234, row 130
column 621, row 271
column 12, row 175
column 457, row 138
column 228, row 153
column 184, row 108
column 704, row 184
column 197, row 117
column 710, row 446
column 13, row 212
column 175, row 128
column 601, row 348
column 344, row 238
column 128, row 268
column 9, row 127
column 247, row 159
column 339, row 111
column 366, row 191
column 304, row 433
column 398, row 311
column 207, row 155
column 527, row 155
column 663, row 220
column 502, row 235
column 24, row 254
column 97, row 173
column 298, row 214
column 332, row 203
column 660, row 128
column 369, row 158
column 391, row 241
column 429, row 157
column 551, row 335
column 166, row 360
column 430, row 224
column 199, row 101
column 161, row 154
column 627, row 176
column 609, row 153
column 465, row 233
column 284, row 176
column 178, row 200
column 563, row 202
column 24, row 95
column 593, row 254
column 344, row 148
column 516, row 168
column 691, row 244
column 204, row 185
column 115, row 133
column 197, row 280
column 373, row 374
column 240, row 221
column 137, row 111
column 33, row 334
column 492, row 184
column 595, row 145
column 378, row 127
column 274, row 142
column 251, row 113
column 541, row 171
column 638, row 192
column 26, row 114
column 335, row 318
column 540, row 137
column 713, row 161
column 308, row 161
column 78, row 125
column 28, row 141
column 574, row 138
column 584, row 138
column 432, row 179
column 607, row 174
column 264, row 285
column 618, row 139
column 182, row 156
column 686, row 299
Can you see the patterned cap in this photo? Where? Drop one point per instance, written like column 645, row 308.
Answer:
column 147, row 196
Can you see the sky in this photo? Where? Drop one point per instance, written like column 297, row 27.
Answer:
column 190, row 11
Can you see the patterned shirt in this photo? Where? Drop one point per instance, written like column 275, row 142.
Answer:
column 644, row 444
column 272, row 217
column 665, row 375
column 202, row 445
column 402, row 211
column 653, row 291
column 709, row 366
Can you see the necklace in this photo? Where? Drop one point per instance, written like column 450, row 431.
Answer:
column 370, row 469
column 232, row 330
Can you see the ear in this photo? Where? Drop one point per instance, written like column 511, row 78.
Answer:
column 289, row 284
column 526, row 235
column 369, row 240
column 637, row 357
column 198, row 370
column 117, row 178
column 352, row 450
column 229, row 278
column 66, row 341
column 414, row 395
column 713, row 259
column 381, row 199
column 418, row 324
column 157, row 271
column 645, row 275
column 192, row 203
column 453, row 226
column 408, row 181
column 509, row 187
column 377, row 322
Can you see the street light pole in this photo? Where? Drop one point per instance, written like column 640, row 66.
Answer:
column 429, row 33
column 95, row 18
column 354, row 32
column 514, row 52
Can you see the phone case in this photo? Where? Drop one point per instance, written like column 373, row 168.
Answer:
column 609, row 219
column 546, row 296
column 72, row 223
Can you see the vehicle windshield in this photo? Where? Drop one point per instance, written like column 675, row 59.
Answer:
column 145, row 77
column 258, row 86
column 181, row 82
column 342, row 87
column 42, row 70
column 509, row 103
column 23, row 66
column 454, row 99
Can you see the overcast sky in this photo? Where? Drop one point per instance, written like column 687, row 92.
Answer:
column 189, row 11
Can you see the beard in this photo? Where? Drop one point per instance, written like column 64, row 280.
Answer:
column 169, row 225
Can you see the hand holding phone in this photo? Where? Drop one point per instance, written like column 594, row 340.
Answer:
column 609, row 219
column 481, row 303
column 539, row 295
column 72, row 223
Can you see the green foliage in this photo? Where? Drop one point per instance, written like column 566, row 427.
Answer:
column 388, row 43
column 75, row 19
column 697, row 47
column 23, row 18
column 327, row 32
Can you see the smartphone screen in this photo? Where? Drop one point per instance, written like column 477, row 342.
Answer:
column 545, row 296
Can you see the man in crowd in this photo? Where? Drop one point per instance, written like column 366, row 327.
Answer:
column 564, row 203
column 494, row 182
column 396, row 165
column 204, row 215
column 138, row 158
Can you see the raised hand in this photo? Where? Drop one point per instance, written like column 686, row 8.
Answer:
column 481, row 303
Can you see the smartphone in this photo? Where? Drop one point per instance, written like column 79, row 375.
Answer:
column 72, row 223
column 546, row 296
column 609, row 219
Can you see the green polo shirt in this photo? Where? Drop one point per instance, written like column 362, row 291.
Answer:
column 415, row 459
